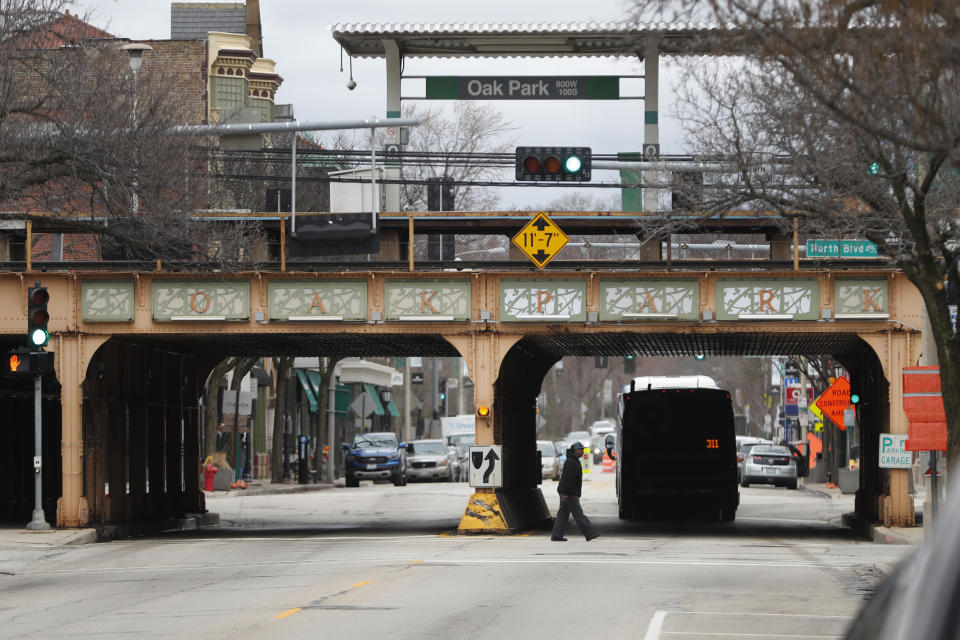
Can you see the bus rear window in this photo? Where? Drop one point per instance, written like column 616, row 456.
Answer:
column 688, row 421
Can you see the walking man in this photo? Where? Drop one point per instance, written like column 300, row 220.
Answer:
column 569, row 488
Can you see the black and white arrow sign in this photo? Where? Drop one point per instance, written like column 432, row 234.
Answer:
column 486, row 466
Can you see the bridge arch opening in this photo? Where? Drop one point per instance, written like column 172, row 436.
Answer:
column 525, row 366
column 142, row 421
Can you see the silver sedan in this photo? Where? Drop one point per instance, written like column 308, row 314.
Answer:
column 769, row 464
column 428, row 460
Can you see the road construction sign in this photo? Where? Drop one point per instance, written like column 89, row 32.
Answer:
column 834, row 401
column 541, row 240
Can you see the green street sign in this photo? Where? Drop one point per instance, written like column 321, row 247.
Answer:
column 820, row 248
column 523, row 88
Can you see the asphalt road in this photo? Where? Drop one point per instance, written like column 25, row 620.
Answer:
column 380, row 561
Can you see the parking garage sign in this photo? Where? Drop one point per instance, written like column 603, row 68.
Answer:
column 893, row 451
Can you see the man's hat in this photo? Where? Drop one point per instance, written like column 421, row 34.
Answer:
column 576, row 445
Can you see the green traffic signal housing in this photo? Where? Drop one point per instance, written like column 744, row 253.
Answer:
column 554, row 164
column 37, row 316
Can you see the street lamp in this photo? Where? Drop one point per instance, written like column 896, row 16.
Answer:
column 135, row 52
column 385, row 395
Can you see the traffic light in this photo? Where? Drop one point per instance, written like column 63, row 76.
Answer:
column 553, row 164
column 37, row 316
column 873, row 169
column 854, row 398
column 442, row 397
column 629, row 364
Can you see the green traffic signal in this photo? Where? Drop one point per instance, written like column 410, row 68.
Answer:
column 854, row 398
column 37, row 316
column 873, row 169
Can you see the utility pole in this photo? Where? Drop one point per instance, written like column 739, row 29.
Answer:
column 407, row 423
column 39, row 521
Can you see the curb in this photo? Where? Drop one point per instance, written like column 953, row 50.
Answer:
column 883, row 535
column 190, row 522
column 293, row 488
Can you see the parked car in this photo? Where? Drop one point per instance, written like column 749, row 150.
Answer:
column 458, row 464
column 744, row 444
column 462, row 442
column 769, row 464
column 375, row 456
column 548, row 460
column 428, row 460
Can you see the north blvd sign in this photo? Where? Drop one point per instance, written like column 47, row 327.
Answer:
column 523, row 88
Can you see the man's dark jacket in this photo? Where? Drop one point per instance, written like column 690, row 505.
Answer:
column 571, row 478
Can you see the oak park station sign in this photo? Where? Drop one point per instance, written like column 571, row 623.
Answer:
column 523, row 88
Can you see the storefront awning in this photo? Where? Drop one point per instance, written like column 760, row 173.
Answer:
column 307, row 389
column 372, row 393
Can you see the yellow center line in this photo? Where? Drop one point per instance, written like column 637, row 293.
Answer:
column 286, row 614
column 359, row 584
column 416, row 562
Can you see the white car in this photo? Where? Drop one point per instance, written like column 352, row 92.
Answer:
column 549, row 461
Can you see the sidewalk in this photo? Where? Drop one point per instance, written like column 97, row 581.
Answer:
column 265, row 488
column 869, row 530
column 12, row 537
column 16, row 537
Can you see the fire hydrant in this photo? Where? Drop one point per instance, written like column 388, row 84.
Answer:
column 209, row 471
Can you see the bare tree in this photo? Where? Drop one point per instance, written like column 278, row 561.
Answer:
column 284, row 368
column 449, row 139
column 847, row 113
column 86, row 143
column 472, row 127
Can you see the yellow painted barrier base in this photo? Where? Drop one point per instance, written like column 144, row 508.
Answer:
column 483, row 515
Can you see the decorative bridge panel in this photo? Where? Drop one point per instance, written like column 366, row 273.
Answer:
column 317, row 300
column 861, row 299
column 107, row 300
column 200, row 300
column 768, row 299
column 427, row 299
column 543, row 300
column 649, row 299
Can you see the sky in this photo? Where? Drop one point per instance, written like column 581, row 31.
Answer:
column 297, row 37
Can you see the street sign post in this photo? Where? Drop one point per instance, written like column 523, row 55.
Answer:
column 540, row 240
column 486, row 466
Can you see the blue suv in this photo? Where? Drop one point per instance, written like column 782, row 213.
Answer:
column 375, row 456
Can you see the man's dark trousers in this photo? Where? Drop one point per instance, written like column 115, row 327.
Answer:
column 572, row 506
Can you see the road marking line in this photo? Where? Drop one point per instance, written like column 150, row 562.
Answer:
column 783, row 615
column 656, row 625
column 287, row 614
column 621, row 561
column 416, row 562
column 359, row 584
column 738, row 635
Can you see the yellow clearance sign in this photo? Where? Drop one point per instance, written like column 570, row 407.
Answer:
column 541, row 240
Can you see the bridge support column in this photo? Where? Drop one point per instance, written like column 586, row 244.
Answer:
column 516, row 505
column 891, row 497
column 73, row 355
